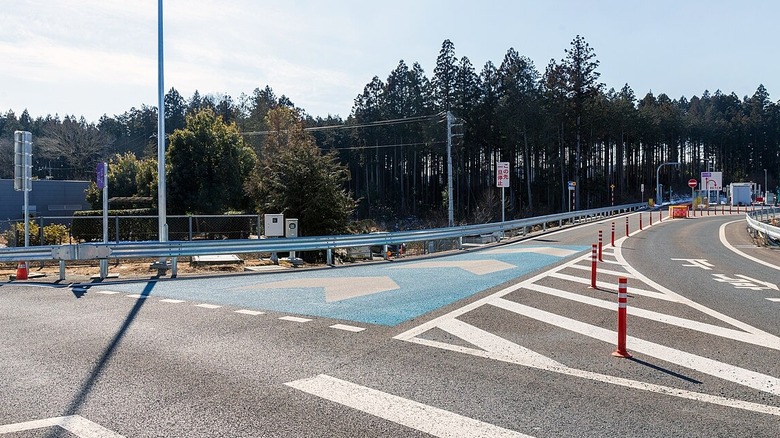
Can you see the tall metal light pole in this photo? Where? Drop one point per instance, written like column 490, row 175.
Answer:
column 658, row 193
column 161, row 201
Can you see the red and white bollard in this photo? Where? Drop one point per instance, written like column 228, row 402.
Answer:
column 640, row 221
column 593, row 267
column 626, row 226
column 600, row 240
column 622, row 310
column 660, row 215
column 613, row 234
column 651, row 218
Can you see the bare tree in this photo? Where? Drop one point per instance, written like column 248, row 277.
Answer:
column 77, row 145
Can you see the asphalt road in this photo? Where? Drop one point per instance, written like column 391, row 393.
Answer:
column 506, row 341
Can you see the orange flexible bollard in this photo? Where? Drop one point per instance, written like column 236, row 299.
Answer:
column 622, row 323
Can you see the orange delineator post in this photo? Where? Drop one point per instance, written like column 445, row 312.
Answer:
column 593, row 267
column 613, row 234
column 622, row 310
column 660, row 215
column 600, row 259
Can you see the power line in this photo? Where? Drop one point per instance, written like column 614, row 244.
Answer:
column 351, row 148
column 363, row 125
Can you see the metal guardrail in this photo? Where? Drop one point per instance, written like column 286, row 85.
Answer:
column 758, row 222
column 155, row 249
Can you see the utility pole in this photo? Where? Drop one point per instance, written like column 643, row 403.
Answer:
column 450, row 206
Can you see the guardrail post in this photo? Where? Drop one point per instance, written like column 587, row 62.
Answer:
column 460, row 242
column 174, row 267
column 329, row 256
column 103, row 268
column 622, row 304
column 62, row 270
column 189, row 229
column 116, row 228
column 384, row 252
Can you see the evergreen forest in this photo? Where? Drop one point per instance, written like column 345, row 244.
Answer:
column 554, row 124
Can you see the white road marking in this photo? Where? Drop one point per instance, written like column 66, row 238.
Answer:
column 409, row 413
column 294, row 319
column 250, row 312
column 603, row 285
column 525, row 359
column 744, row 282
column 736, row 335
column 767, row 339
column 697, row 263
column 721, row 370
column 349, row 328
column 208, row 306
column 722, row 236
column 776, row 300
column 169, row 300
column 138, row 296
column 105, row 292
column 75, row 424
column 603, row 271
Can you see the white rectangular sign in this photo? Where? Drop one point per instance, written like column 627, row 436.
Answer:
column 502, row 174
column 711, row 181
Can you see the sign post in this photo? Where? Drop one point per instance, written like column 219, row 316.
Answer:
column 502, row 180
column 23, row 174
column 572, row 186
column 692, row 184
column 102, row 183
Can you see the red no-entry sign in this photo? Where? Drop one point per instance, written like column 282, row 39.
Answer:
column 692, row 183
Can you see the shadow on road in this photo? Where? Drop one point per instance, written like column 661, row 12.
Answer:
column 86, row 387
column 664, row 370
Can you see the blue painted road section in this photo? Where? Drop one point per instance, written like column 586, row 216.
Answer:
column 420, row 290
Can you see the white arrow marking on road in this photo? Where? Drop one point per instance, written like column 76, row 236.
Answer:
column 336, row 289
column 548, row 250
column 477, row 267
column 75, row 424
column 744, row 282
column 768, row 284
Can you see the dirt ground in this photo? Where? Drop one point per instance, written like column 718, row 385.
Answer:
column 129, row 269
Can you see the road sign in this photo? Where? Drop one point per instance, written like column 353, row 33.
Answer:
column 101, row 175
column 572, row 185
column 502, row 174
column 692, row 183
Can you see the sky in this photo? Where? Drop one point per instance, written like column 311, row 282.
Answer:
column 94, row 57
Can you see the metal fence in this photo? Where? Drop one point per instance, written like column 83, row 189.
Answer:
column 80, row 229
column 195, row 247
column 763, row 223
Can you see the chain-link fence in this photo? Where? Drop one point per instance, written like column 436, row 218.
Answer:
column 58, row 230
